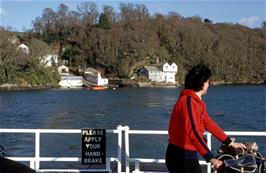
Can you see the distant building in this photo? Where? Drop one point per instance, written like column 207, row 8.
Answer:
column 153, row 73
column 159, row 72
column 49, row 59
column 94, row 76
column 24, row 48
column 63, row 70
column 71, row 81
column 68, row 80
column 169, row 72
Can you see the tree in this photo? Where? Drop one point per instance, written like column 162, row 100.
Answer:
column 49, row 18
column 89, row 13
column 109, row 12
column 127, row 13
column 104, row 21
column 120, row 42
column 207, row 21
column 263, row 24
column 62, row 10
column 7, row 57
column 174, row 15
column 142, row 12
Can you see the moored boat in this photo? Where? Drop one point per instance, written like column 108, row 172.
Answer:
column 96, row 88
column 99, row 87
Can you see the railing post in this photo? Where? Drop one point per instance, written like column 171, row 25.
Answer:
column 108, row 164
column 37, row 150
column 32, row 162
column 209, row 168
column 209, row 140
column 119, row 149
column 137, row 166
column 209, row 143
column 126, row 128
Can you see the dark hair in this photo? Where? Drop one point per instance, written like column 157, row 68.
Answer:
column 196, row 77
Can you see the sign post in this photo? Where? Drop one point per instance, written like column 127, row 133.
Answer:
column 93, row 143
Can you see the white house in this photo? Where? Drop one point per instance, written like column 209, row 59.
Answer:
column 46, row 60
column 49, row 59
column 169, row 72
column 153, row 73
column 159, row 73
column 63, row 70
column 24, row 48
column 94, row 76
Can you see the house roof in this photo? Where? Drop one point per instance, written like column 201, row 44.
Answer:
column 24, row 48
column 160, row 64
column 63, row 66
column 91, row 70
column 151, row 68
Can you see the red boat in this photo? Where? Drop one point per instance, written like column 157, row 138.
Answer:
column 96, row 88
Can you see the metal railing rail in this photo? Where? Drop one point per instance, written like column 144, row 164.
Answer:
column 137, row 161
column 35, row 161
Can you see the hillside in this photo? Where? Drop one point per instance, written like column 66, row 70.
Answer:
column 119, row 43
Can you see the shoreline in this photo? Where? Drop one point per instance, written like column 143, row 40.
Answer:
column 123, row 83
column 13, row 87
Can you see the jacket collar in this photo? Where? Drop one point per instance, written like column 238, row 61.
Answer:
column 189, row 92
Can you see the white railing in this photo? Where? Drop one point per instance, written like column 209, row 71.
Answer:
column 37, row 159
column 137, row 161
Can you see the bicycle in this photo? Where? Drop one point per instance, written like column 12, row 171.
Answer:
column 241, row 160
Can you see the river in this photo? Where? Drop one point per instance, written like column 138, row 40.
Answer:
column 234, row 108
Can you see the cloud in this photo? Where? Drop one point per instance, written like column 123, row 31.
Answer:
column 249, row 21
column 2, row 12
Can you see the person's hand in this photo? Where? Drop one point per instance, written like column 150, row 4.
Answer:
column 216, row 163
column 236, row 144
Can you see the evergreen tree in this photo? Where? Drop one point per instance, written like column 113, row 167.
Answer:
column 104, row 21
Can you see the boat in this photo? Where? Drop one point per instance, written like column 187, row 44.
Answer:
column 96, row 88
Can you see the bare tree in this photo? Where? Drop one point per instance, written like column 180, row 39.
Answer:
column 89, row 13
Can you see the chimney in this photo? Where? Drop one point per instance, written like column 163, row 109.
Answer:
column 157, row 60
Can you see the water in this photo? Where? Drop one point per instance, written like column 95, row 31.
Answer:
column 234, row 108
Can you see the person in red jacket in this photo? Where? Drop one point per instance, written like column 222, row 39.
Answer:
column 189, row 120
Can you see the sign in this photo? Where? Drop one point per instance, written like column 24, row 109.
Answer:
column 93, row 146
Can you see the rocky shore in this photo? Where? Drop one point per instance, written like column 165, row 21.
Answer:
column 8, row 86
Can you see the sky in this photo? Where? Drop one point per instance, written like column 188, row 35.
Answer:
column 19, row 14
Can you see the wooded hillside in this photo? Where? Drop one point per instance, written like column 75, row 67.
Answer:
column 119, row 43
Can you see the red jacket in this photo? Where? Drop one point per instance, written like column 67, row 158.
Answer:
column 188, row 122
